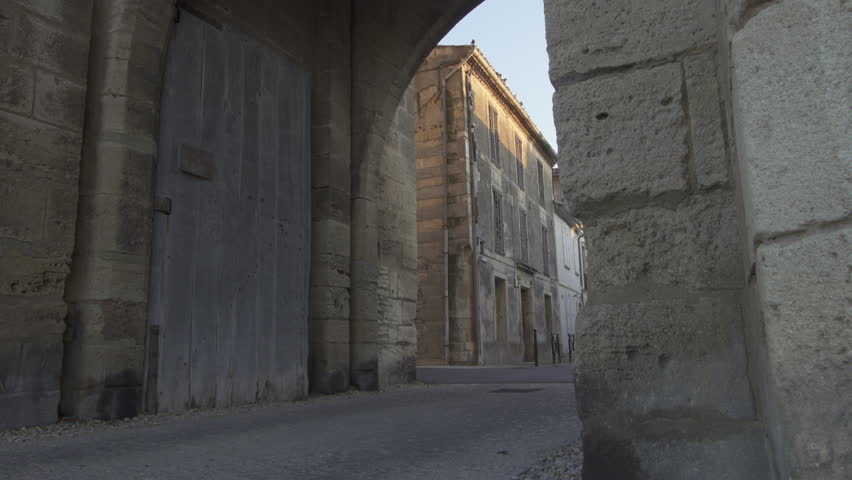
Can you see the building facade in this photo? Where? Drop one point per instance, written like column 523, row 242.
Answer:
column 486, row 264
column 570, row 269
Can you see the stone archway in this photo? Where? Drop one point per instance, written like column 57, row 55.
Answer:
column 716, row 317
column 105, row 357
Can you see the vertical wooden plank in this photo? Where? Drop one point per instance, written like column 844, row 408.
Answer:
column 294, row 256
column 208, row 241
column 232, row 236
column 245, row 255
column 181, row 110
column 285, row 209
column 267, row 180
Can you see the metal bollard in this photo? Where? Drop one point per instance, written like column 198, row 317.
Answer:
column 535, row 346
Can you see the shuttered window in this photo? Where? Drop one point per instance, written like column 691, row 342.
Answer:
column 544, row 253
column 519, row 158
column 540, row 183
column 494, row 135
column 524, row 236
column 498, row 223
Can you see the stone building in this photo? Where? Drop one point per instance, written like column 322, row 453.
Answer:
column 712, row 142
column 485, row 259
column 570, row 269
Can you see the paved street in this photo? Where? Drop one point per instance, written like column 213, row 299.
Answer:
column 445, row 430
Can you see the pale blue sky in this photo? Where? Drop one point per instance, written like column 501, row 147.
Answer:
column 513, row 40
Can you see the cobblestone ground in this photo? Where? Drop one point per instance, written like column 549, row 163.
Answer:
column 462, row 431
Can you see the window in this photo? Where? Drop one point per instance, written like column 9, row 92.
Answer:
column 498, row 222
column 523, row 227
column 494, row 135
column 567, row 248
column 519, row 157
column 540, row 183
column 544, row 253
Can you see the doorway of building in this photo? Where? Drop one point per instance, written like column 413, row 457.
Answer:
column 527, row 325
column 501, row 323
column 229, row 265
column 548, row 315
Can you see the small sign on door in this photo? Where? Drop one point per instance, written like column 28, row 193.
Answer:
column 196, row 162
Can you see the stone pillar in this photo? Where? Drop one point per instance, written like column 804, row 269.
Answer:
column 108, row 285
column 44, row 48
column 396, row 287
column 330, row 183
column 791, row 69
column 388, row 44
column 384, row 254
column 662, row 382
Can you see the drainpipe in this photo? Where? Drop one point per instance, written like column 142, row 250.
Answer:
column 444, row 141
column 474, row 213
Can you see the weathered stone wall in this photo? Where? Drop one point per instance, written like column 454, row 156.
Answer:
column 388, row 45
column 790, row 65
column 396, row 291
column 431, row 192
column 44, row 48
column 662, row 356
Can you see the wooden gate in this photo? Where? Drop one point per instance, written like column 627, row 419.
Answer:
column 229, row 266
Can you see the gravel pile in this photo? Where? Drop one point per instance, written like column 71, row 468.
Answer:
column 563, row 464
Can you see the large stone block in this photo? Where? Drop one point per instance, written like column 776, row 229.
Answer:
column 75, row 14
column 32, row 276
column 128, row 116
column 60, row 220
column 7, row 26
column 330, row 237
column 17, row 85
column 586, row 35
column 117, row 169
column 795, row 154
column 114, row 223
column 694, row 244
column 622, row 135
column 705, row 120
column 109, row 322
column 330, row 203
column 59, row 102
column 112, row 276
column 329, row 303
column 137, row 78
column 52, row 48
column 30, row 370
column 34, row 148
column 683, row 445
column 22, row 209
column 105, row 380
column 806, row 294
column 643, row 358
column 328, row 269
column 25, row 318
column 27, row 409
